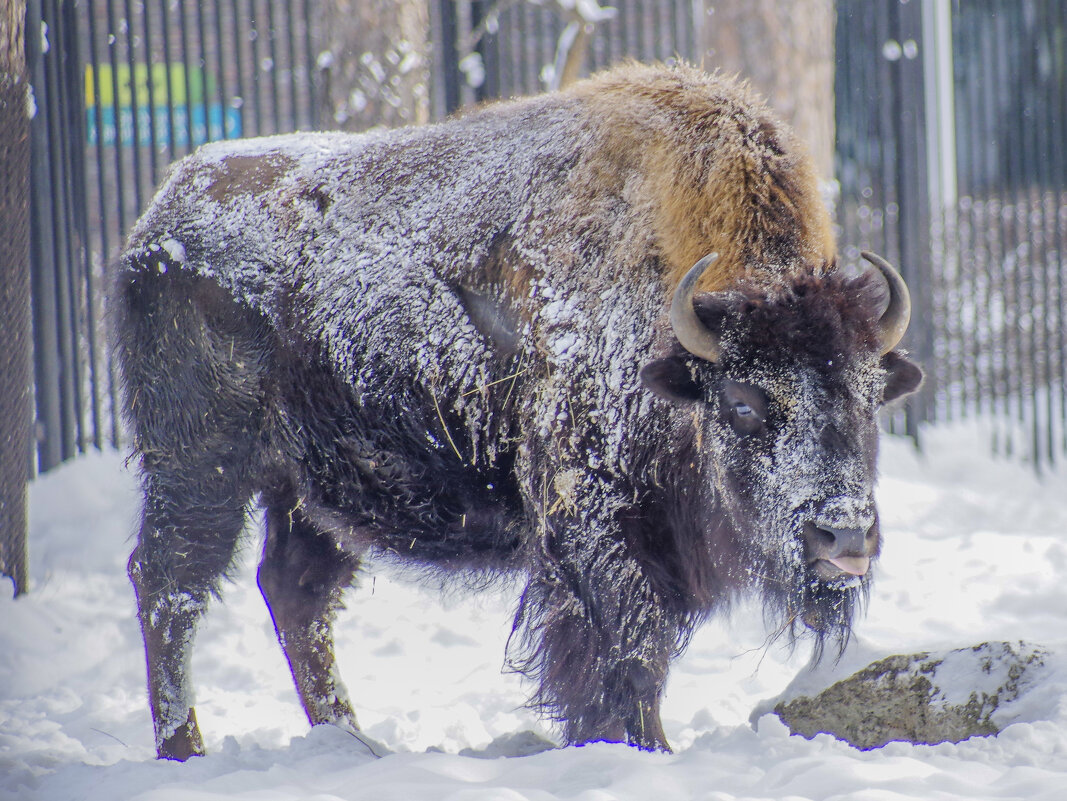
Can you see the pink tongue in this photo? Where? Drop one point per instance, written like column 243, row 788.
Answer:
column 856, row 565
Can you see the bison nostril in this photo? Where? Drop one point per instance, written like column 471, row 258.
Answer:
column 829, row 542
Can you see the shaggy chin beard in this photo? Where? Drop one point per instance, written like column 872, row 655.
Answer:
column 806, row 606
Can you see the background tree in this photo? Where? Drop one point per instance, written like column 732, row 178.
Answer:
column 786, row 50
column 15, row 326
column 377, row 63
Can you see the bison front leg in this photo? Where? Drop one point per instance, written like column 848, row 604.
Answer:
column 302, row 576
column 598, row 641
column 180, row 557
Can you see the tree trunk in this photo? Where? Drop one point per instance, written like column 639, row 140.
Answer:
column 378, row 70
column 15, row 326
column 786, row 50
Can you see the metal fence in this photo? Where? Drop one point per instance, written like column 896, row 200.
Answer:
column 950, row 156
column 125, row 87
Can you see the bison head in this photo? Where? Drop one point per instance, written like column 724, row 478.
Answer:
column 786, row 380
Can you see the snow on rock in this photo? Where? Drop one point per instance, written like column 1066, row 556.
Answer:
column 920, row 698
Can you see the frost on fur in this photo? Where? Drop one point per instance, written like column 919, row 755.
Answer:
column 434, row 345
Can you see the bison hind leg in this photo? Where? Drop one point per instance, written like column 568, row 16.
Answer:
column 192, row 361
column 181, row 554
column 302, row 576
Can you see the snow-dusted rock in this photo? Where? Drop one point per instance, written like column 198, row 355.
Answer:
column 920, row 698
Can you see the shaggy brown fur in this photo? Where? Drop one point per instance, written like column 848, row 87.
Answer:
column 717, row 172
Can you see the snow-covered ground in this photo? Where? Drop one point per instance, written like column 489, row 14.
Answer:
column 976, row 549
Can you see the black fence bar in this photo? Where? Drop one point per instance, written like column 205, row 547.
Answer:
column 168, row 83
column 125, row 87
column 272, row 50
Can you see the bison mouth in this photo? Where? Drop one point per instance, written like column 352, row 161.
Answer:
column 841, row 567
column 838, row 555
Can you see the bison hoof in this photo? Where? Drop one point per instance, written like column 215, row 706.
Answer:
column 184, row 743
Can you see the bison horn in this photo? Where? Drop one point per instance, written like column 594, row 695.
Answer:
column 894, row 321
column 693, row 334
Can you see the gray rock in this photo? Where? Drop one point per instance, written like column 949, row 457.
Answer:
column 920, row 698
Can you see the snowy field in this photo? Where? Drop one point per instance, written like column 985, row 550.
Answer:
column 976, row 550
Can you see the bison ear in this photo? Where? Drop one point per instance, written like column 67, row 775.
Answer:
column 670, row 379
column 902, row 376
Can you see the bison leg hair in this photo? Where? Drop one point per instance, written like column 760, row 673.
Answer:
column 302, row 575
column 179, row 559
column 598, row 642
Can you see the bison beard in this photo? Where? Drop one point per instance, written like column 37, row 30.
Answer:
column 433, row 346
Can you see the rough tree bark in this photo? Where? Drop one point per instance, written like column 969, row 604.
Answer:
column 786, row 50
column 378, row 66
column 15, row 325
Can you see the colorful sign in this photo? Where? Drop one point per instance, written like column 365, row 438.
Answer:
column 167, row 102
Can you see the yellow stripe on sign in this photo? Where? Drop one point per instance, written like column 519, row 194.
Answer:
column 168, row 84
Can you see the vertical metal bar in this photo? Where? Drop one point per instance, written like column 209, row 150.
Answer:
column 254, row 77
column 44, row 292
column 61, row 242
column 90, row 422
column 1058, row 133
column 529, row 50
column 984, row 120
column 449, row 64
column 887, row 25
column 511, row 21
column 275, row 101
column 654, row 31
column 985, row 392
column 290, row 27
column 101, row 204
column 1037, row 156
column 187, row 70
column 205, row 67
column 678, row 29
column 1023, row 74
column 135, row 145
column 912, row 203
column 1012, row 180
column 71, row 139
column 120, row 182
column 168, row 77
column 102, row 198
column 221, row 77
column 153, row 133
column 312, row 68
column 1051, row 136
column 239, row 44
column 488, row 49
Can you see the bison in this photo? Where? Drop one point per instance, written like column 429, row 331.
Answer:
column 480, row 346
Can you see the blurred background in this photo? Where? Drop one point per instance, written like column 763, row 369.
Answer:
column 938, row 127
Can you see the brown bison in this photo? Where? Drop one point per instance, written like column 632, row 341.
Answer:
column 435, row 345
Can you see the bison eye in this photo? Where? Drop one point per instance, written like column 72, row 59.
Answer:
column 746, row 406
column 742, row 409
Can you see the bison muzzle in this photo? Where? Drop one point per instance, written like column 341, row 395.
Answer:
column 435, row 345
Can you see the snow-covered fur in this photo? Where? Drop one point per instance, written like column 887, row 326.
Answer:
column 426, row 344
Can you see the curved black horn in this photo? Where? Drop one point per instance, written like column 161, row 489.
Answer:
column 693, row 334
column 895, row 319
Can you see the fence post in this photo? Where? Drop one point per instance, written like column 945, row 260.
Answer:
column 913, row 199
column 447, row 57
column 15, row 327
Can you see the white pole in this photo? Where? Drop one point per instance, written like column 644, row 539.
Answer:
column 940, row 103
